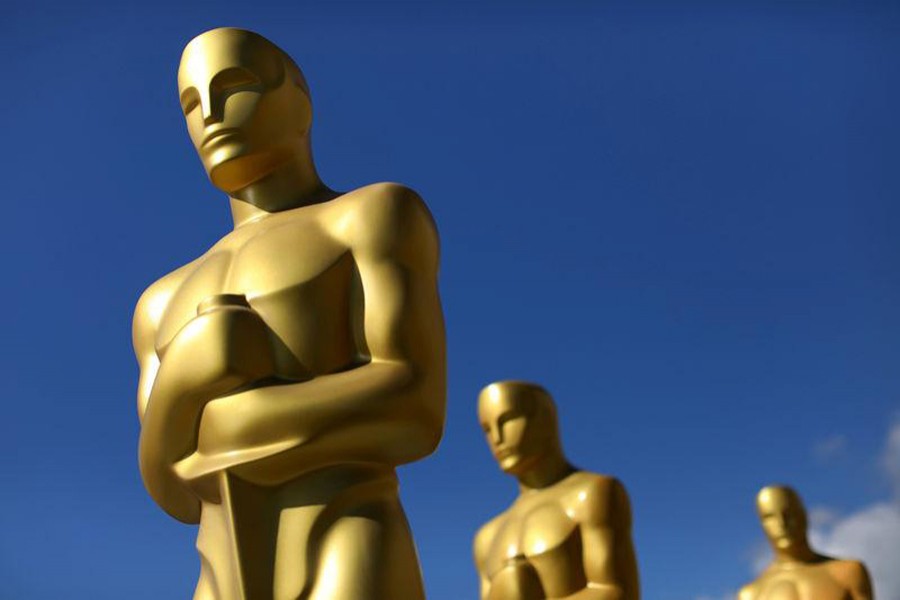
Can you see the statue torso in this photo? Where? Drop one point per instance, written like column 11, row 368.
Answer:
column 298, row 273
column 820, row 581
column 294, row 273
column 536, row 550
column 301, row 278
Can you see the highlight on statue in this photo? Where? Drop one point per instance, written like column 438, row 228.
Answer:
column 286, row 372
column 568, row 534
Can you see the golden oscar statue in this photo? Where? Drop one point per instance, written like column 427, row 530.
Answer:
column 287, row 371
column 568, row 534
column 799, row 573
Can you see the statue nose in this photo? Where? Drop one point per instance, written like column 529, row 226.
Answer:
column 211, row 107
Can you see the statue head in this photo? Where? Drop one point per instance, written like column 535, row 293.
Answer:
column 520, row 423
column 246, row 105
column 783, row 517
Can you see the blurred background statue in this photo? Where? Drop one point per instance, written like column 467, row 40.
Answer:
column 798, row 572
column 568, row 534
column 287, row 371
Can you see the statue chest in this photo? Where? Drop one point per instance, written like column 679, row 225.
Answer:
column 810, row 583
column 540, row 536
column 302, row 282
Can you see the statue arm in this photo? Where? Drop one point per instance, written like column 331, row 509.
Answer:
column 480, row 549
column 172, row 498
column 609, row 557
column 143, row 333
column 861, row 587
column 484, row 586
column 389, row 410
column 212, row 355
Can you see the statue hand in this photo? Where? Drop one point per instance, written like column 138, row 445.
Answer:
column 225, row 347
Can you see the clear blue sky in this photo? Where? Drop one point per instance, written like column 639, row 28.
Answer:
column 682, row 221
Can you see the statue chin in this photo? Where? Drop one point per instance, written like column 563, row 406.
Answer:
column 237, row 172
column 784, row 543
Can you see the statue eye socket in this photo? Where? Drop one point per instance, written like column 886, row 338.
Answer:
column 233, row 79
column 507, row 417
column 190, row 105
column 189, row 101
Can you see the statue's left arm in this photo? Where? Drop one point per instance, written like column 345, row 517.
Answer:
column 389, row 410
column 860, row 584
column 609, row 558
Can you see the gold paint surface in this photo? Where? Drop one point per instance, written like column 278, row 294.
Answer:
column 797, row 572
column 568, row 534
column 287, row 371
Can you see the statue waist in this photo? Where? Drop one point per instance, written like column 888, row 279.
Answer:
column 259, row 538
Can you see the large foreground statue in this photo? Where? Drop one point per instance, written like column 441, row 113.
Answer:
column 799, row 573
column 568, row 534
column 288, row 371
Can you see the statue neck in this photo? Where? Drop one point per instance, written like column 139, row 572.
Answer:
column 549, row 469
column 292, row 185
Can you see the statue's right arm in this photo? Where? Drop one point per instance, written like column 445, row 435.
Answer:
column 171, row 496
column 143, row 333
column 212, row 355
column 480, row 548
column 200, row 363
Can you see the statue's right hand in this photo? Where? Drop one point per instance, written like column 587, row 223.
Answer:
column 226, row 346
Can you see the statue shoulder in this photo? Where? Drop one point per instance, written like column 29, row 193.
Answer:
column 387, row 219
column 851, row 573
column 484, row 538
column 153, row 301
column 602, row 499
column 596, row 482
column 848, row 565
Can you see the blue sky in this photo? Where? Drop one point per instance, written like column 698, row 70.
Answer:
column 682, row 221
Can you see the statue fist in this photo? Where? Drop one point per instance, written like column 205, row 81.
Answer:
column 226, row 346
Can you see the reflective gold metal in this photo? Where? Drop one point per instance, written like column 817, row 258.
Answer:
column 799, row 573
column 568, row 534
column 287, row 371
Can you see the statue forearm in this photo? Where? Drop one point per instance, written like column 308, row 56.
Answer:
column 169, row 433
column 383, row 412
column 160, row 446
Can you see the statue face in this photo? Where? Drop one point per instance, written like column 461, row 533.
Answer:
column 517, row 429
column 244, row 114
column 782, row 516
